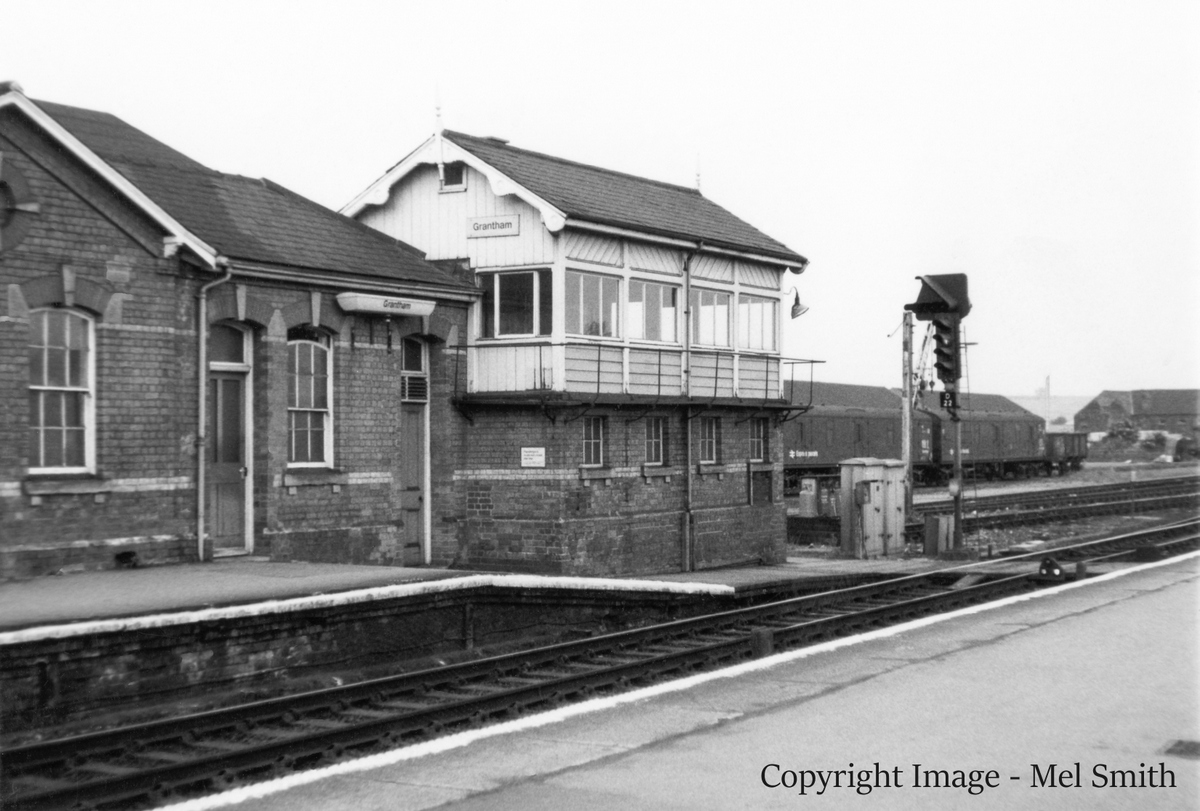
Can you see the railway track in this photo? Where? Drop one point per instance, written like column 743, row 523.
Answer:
column 1011, row 509
column 150, row 763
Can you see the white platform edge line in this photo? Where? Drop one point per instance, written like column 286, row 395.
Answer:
column 168, row 619
column 244, row 793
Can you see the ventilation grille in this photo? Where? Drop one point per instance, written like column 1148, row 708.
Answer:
column 415, row 388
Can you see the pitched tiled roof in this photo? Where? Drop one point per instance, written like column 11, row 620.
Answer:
column 245, row 218
column 1164, row 402
column 978, row 403
column 1148, row 402
column 843, row 395
column 606, row 197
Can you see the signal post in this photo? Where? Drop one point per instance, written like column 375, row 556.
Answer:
column 943, row 301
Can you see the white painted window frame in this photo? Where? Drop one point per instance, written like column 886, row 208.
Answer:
column 537, row 272
column 632, row 323
column 616, row 315
column 89, row 397
column 328, row 461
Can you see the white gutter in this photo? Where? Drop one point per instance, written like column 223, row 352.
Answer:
column 333, row 280
column 179, row 234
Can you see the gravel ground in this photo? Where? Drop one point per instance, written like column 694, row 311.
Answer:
column 979, row 542
column 1092, row 473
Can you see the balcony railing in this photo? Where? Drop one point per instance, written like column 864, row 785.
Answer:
column 591, row 368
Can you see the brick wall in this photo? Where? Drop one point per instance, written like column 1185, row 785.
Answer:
column 140, row 304
column 55, row 680
column 622, row 518
column 141, row 497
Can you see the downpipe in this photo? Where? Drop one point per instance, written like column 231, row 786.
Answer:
column 202, row 399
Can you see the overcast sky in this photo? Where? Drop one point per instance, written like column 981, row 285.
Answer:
column 1047, row 149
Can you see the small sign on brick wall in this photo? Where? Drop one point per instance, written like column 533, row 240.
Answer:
column 533, row 457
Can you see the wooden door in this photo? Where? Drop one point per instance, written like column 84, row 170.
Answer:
column 227, row 468
column 412, row 481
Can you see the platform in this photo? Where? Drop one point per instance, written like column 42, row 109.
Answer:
column 247, row 585
column 1060, row 678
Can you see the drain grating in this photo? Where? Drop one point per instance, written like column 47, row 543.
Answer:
column 1185, row 749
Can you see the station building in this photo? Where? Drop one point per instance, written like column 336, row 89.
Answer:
column 133, row 278
column 509, row 362
column 623, row 387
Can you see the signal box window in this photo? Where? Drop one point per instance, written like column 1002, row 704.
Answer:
column 759, row 435
column 710, row 435
column 652, row 311
column 593, row 441
column 656, row 441
column 592, row 304
column 710, row 319
column 517, row 304
column 756, row 322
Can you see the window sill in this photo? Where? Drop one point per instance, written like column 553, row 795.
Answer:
column 760, row 465
column 595, row 474
column 308, row 476
column 664, row 472
column 711, row 469
column 59, row 484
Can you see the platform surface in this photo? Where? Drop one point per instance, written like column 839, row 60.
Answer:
column 159, row 589
column 81, row 597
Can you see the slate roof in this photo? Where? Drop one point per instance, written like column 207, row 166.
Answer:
column 245, row 218
column 603, row 196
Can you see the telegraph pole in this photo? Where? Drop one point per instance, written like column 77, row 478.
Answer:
column 906, row 414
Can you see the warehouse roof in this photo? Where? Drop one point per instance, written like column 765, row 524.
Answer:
column 843, row 395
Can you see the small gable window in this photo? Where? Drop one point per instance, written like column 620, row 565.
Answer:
column 454, row 177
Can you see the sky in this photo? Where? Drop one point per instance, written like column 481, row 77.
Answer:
column 1050, row 150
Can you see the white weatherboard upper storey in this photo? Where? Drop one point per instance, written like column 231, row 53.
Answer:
column 418, row 212
column 439, row 150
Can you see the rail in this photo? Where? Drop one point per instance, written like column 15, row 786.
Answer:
column 190, row 755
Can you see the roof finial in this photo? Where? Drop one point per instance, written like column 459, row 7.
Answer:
column 437, row 107
column 437, row 133
column 697, row 171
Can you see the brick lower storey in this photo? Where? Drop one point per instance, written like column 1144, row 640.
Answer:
column 619, row 544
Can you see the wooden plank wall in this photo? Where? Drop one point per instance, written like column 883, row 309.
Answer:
column 420, row 214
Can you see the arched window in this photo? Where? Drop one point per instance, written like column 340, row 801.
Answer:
column 61, row 392
column 310, row 398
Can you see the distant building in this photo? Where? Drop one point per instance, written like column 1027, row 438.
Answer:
column 1175, row 411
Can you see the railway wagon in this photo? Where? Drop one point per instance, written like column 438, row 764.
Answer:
column 842, row 421
column 1000, row 439
column 1066, row 451
column 845, row 421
